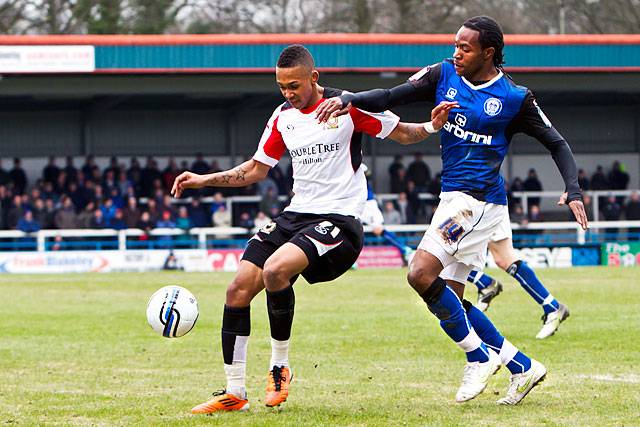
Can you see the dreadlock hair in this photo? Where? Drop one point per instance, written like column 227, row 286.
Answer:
column 490, row 36
column 295, row 55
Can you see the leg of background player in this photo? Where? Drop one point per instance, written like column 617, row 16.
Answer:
column 488, row 288
column 554, row 312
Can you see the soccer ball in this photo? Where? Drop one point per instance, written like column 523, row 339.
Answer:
column 172, row 311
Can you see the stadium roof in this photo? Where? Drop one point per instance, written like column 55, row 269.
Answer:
column 257, row 53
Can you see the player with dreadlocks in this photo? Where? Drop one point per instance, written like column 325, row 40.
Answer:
column 473, row 201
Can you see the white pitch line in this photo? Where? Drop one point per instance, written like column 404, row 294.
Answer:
column 630, row 379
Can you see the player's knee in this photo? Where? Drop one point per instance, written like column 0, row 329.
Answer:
column 420, row 278
column 274, row 275
column 241, row 292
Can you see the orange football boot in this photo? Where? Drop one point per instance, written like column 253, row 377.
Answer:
column 221, row 401
column 278, row 387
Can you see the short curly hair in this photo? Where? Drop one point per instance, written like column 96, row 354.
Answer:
column 295, row 55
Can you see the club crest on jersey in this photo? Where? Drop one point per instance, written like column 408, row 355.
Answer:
column 492, row 106
column 332, row 123
column 451, row 93
column 451, row 229
column 461, row 119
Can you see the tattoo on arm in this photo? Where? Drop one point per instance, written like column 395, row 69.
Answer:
column 225, row 178
column 240, row 173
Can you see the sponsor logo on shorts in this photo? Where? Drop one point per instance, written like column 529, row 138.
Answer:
column 268, row 228
column 451, row 230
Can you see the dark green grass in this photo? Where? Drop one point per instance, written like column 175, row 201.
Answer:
column 76, row 350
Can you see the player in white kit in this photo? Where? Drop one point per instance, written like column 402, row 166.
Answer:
column 318, row 236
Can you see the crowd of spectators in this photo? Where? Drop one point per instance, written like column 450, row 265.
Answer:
column 121, row 196
column 137, row 196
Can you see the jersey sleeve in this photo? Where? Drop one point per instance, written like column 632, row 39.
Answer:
column 420, row 87
column 271, row 146
column 379, row 125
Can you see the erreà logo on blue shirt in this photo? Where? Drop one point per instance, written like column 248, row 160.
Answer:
column 457, row 130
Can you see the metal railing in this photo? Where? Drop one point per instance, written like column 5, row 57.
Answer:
column 124, row 237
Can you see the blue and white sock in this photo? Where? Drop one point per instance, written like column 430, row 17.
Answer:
column 516, row 361
column 530, row 282
column 447, row 307
column 480, row 279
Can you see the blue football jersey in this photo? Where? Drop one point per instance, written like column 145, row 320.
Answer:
column 474, row 141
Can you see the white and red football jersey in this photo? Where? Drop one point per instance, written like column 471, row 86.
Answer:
column 326, row 157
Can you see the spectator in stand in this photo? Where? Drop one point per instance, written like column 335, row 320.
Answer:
column 61, row 186
column 153, row 211
column 145, row 224
column 516, row 185
column 276, row 174
column 70, row 170
column 197, row 213
column 632, row 213
column 4, row 175
column 109, row 182
column 85, row 216
column 51, row 210
column 170, row 173
column 415, row 204
column 218, row 201
column 118, row 223
column 123, row 184
column 116, row 198
column 51, row 171
column 167, row 205
column 518, row 215
column 16, row 211
column 401, row 184
column 66, row 216
column 611, row 211
column 183, row 222
column 419, row 173
column 18, row 177
column 98, row 194
column 260, row 220
column 134, row 175
column 108, row 211
column 131, row 213
column 39, row 212
column 599, row 180
column 48, row 192
column 166, row 221
column 632, row 208
column 246, row 221
column 200, row 165
column 89, row 169
column 148, row 176
column 535, row 215
column 403, row 208
column 221, row 217
column 269, row 201
column 583, row 180
column 618, row 179
column 27, row 223
column 390, row 214
column 5, row 203
column 97, row 221
column 532, row 183
column 113, row 169
column 396, row 184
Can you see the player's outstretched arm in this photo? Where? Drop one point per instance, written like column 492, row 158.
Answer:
column 242, row 175
column 411, row 133
column 577, row 207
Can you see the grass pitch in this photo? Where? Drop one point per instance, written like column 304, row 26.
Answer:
column 76, row 350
